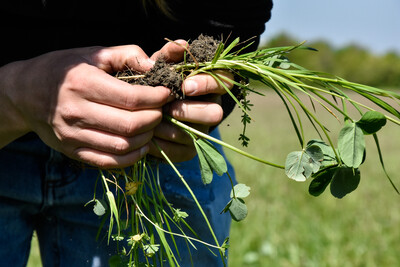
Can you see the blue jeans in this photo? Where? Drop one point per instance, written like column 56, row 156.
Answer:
column 41, row 190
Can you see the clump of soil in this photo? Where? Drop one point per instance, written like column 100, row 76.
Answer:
column 164, row 74
column 203, row 48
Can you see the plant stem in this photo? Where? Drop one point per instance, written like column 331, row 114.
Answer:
column 215, row 140
column 193, row 196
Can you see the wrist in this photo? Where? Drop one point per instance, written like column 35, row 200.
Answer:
column 12, row 122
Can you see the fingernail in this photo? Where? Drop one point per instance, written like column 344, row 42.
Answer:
column 144, row 150
column 190, row 87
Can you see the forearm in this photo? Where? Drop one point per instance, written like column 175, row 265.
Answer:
column 12, row 124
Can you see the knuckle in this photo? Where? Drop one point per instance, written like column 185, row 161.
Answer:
column 131, row 100
column 64, row 136
column 209, row 84
column 70, row 114
column 128, row 127
column 74, row 76
column 120, row 146
column 139, row 121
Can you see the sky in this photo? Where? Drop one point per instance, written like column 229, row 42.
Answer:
column 373, row 24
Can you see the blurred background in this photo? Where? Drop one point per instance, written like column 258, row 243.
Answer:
column 358, row 40
column 374, row 25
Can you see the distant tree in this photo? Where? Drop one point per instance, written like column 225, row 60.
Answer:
column 351, row 62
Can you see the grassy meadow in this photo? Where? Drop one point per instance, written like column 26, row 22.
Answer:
column 288, row 227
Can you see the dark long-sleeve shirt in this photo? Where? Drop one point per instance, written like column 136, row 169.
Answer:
column 33, row 27
column 30, row 28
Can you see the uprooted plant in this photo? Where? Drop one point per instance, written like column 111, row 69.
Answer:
column 149, row 217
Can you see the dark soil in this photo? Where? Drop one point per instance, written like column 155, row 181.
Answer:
column 203, row 48
column 164, row 74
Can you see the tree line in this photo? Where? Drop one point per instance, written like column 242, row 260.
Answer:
column 351, row 62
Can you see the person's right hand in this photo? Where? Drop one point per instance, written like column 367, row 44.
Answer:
column 69, row 99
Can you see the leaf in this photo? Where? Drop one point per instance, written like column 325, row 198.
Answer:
column 344, row 181
column 218, row 52
column 225, row 246
column 378, row 101
column 329, row 155
column 241, row 191
column 294, row 165
column 151, row 249
column 351, row 145
column 250, row 75
column 382, row 163
column 117, row 237
column 238, row 209
column 316, row 155
column 113, row 205
column 215, row 160
column 114, row 211
column 230, row 47
column 100, row 206
column 371, row 122
column 285, row 64
column 321, row 181
column 205, row 169
column 300, row 165
column 133, row 240
column 294, row 123
column 226, row 208
column 178, row 215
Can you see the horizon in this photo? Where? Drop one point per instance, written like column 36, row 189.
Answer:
column 375, row 27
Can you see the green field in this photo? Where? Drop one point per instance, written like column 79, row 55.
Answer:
column 288, row 227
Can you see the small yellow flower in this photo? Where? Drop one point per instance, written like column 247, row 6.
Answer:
column 137, row 237
column 132, row 187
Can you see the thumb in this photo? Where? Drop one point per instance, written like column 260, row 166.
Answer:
column 172, row 51
column 118, row 58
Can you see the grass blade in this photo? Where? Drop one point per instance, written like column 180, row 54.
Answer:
column 382, row 163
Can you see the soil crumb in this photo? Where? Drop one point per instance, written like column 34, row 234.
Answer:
column 164, row 74
column 203, row 48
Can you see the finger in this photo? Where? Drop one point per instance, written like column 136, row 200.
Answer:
column 175, row 152
column 198, row 112
column 118, row 58
column 110, row 91
column 105, row 160
column 104, row 142
column 172, row 133
column 203, row 84
column 171, row 51
column 109, row 119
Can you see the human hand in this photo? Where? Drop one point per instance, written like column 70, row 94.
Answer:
column 200, row 109
column 69, row 99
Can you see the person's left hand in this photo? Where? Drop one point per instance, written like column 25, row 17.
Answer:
column 199, row 110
